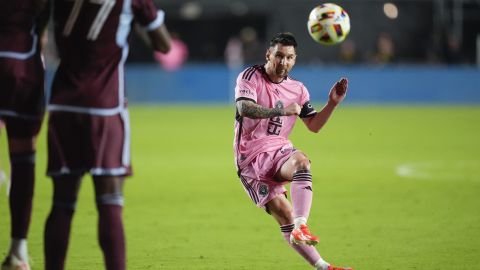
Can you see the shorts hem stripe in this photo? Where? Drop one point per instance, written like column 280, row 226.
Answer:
column 250, row 190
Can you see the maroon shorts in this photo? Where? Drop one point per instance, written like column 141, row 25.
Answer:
column 81, row 143
column 22, row 97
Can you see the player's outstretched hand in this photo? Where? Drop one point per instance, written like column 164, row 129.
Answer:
column 292, row 109
column 338, row 91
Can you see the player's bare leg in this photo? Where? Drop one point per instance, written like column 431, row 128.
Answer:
column 22, row 160
column 281, row 210
column 293, row 219
column 57, row 227
column 109, row 199
column 297, row 170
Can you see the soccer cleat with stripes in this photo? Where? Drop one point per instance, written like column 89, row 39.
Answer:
column 331, row 267
column 302, row 235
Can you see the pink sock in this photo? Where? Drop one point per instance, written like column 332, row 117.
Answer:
column 301, row 192
column 309, row 253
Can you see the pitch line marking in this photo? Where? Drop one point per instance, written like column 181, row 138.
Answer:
column 460, row 170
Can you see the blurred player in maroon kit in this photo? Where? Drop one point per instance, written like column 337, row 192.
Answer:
column 88, row 129
column 22, row 106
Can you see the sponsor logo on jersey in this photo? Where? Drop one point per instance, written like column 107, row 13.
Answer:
column 275, row 123
column 246, row 92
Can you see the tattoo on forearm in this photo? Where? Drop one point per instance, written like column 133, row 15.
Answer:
column 255, row 111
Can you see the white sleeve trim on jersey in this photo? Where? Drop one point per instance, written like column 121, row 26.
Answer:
column 157, row 22
column 23, row 56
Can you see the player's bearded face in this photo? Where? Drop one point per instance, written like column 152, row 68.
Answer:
column 281, row 59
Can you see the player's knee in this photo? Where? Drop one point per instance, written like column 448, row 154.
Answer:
column 110, row 199
column 22, row 145
column 302, row 163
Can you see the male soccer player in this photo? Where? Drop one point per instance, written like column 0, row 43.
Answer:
column 88, row 129
column 268, row 102
column 22, row 106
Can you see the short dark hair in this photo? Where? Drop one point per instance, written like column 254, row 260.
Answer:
column 284, row 38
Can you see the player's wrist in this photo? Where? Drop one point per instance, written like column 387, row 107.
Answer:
column 332, row 104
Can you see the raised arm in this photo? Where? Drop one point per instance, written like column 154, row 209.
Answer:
column 335, row 97
column 250, row 109
column 156, row 34
column 160, row 39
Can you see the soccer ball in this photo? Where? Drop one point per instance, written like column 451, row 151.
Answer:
column 328, row 24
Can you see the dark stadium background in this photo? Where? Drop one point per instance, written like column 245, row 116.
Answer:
column 420, row 32
column 436, row 48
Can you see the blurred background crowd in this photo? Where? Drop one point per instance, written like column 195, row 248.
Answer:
column 236, row 32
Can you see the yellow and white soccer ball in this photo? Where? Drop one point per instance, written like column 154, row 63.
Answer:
column 328, row 24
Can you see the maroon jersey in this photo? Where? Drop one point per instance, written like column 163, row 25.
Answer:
column 91, row 37
column 18, row 38
column 21, row 68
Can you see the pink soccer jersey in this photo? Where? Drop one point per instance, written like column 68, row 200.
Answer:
column 254, row 136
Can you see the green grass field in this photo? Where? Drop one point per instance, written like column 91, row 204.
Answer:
column 395, row 188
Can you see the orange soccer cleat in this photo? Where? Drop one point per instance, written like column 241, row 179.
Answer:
column 303, row 236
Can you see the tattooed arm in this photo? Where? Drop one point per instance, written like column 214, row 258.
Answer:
column 248, row 108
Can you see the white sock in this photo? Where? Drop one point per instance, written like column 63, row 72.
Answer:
column 18, row 247
column 321, row 265
column 299, row 221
